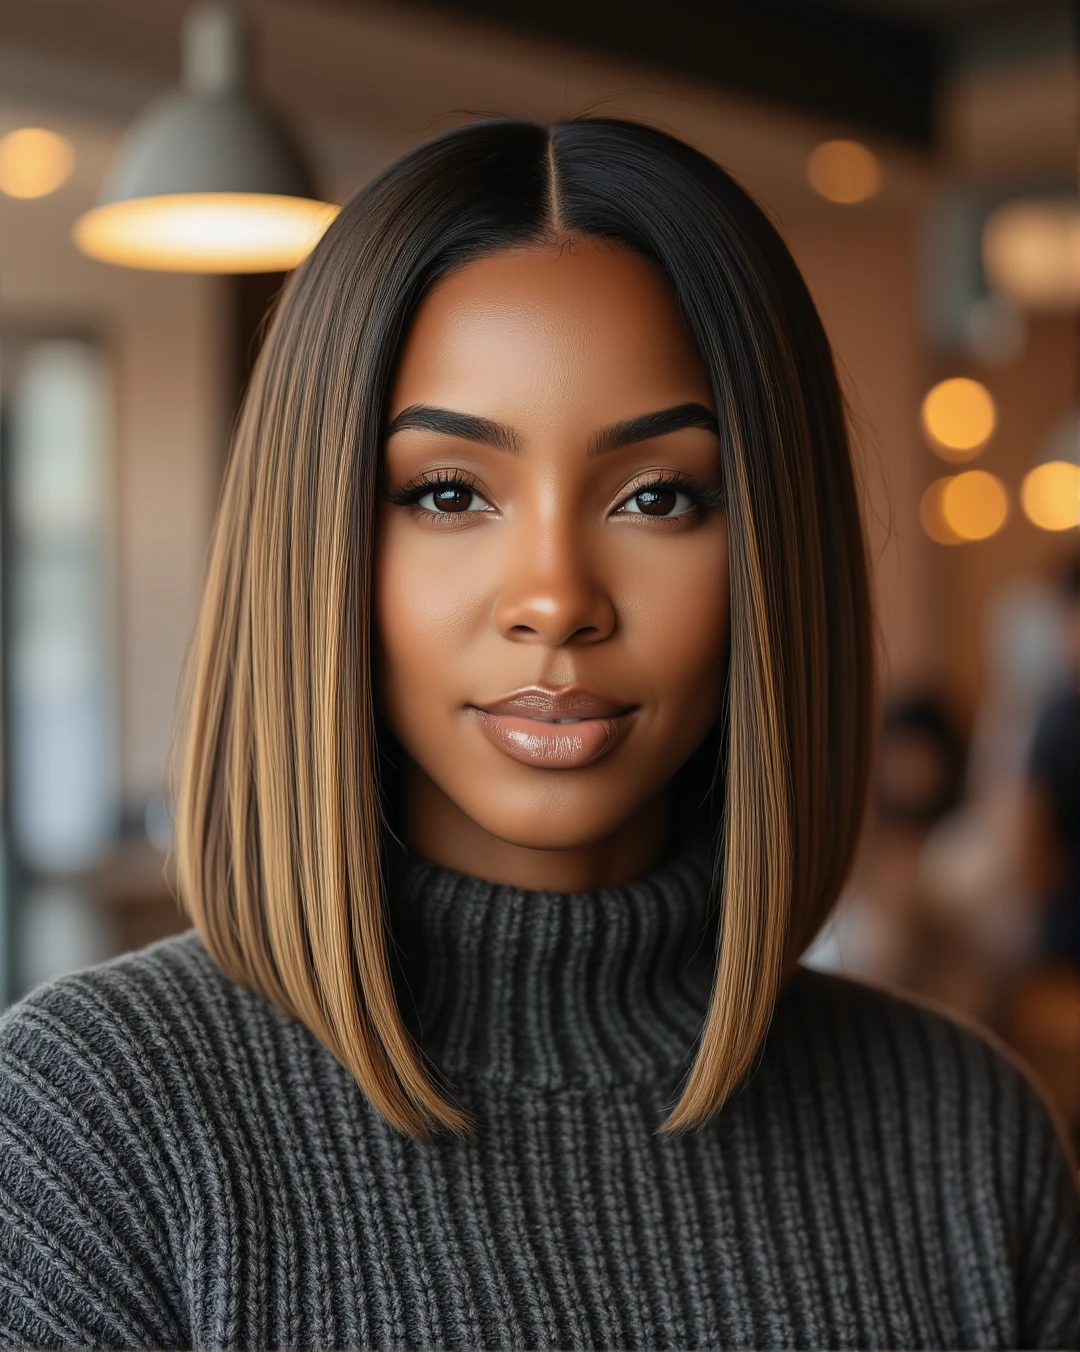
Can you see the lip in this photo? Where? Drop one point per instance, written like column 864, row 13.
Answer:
column 538, row 701
column 523, row 725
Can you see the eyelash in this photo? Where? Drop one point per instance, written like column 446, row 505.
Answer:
column 409, row 494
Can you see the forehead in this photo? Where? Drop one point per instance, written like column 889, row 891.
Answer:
column 581, row 322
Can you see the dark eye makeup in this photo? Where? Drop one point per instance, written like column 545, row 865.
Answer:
column 454, row 493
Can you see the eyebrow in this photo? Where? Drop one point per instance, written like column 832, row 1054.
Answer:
column 469, row 427
column 649, row 425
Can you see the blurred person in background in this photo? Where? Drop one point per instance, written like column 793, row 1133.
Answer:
column 1042, row 1015
column 966, row 887
column 1049, row 822
column 971, row 867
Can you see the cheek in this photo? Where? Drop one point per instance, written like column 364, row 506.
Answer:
column 677, row 613
column 427, row 606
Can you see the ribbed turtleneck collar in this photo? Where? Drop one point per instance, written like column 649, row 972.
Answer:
column 545, row 990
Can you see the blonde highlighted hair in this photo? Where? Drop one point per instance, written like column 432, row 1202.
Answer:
column 279, row 798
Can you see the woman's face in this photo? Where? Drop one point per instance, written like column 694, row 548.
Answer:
column 550, row 548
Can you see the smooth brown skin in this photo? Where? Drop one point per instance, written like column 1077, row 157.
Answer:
column 561, row 583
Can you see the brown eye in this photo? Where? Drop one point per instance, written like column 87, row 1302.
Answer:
column 656, row 501
column 660, row 499
column 452, row 498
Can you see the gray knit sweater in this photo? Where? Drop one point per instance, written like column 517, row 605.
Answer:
column 183, row 1166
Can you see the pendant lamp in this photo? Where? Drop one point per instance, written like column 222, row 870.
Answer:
column 205, row 180
column 1031, row 251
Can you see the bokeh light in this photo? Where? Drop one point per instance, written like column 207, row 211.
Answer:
column 844, row 171
column 974, row 504
column 932, row 515
column 958, row 417
column 1050, row 495
column 34, row 162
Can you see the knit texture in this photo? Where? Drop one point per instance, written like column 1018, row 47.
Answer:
column 181, row 1165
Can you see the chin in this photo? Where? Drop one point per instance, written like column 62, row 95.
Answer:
column 568, row 824
column 549, row 836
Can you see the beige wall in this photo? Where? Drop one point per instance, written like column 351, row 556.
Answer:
column 863, row 271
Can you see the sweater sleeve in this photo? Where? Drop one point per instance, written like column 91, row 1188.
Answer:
column 85, row 1258
column 1049, row 1259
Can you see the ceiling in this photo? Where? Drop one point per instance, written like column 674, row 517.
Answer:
column 756, row 84
column 878, row 64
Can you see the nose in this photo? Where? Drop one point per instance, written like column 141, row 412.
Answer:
column 551, row 594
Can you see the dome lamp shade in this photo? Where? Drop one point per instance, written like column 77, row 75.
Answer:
column 1031, row 252
column 205, row 180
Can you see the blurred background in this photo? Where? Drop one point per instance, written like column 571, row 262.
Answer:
column 163, row 165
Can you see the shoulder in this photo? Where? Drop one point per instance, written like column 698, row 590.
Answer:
column 170, row 989
column 937, row 1074
column 929, row 1113
column 92, row 994
column 105, row 1130
column 127, row 1047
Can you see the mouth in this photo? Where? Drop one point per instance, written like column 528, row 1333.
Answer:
column 557, row 729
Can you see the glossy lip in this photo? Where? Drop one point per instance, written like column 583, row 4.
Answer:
column 542, row 702
column 524, row 725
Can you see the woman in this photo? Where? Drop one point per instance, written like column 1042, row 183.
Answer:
column 525, row 749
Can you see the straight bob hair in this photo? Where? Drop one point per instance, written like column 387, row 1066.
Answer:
column 281, row 815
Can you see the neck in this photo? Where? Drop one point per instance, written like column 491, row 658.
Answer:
column 437, row 828
column 507, row 987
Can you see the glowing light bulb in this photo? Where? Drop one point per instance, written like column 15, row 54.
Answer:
column 975, row 504
column 34, row 162
column 844, row 171
column 1050, row 495
column 932, row 514
column 958, row 417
